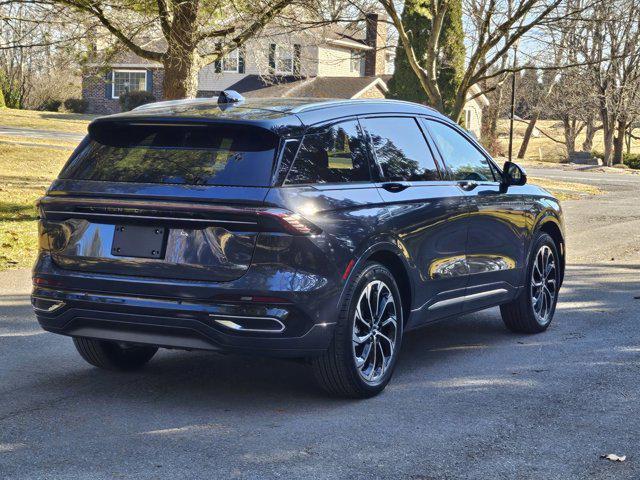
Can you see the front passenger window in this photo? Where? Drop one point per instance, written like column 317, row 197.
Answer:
column 464, row 160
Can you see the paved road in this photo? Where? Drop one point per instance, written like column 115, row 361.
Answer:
column 469, row 399
column 40, row 134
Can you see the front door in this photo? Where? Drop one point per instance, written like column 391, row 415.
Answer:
column 497, row 220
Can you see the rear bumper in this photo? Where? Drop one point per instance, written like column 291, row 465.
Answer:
column 107, row 307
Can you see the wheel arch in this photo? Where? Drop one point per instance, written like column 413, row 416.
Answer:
column 392, row 257
column 551, row 227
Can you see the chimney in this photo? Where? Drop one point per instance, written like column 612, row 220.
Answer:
column 376, row 37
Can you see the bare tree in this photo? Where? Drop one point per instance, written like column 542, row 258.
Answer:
column 182, row 35
column 501, row 25
column 30, row 50
column 611, row 43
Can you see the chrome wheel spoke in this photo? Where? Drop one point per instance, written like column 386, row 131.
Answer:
column 360, row 361
column 383, row 360
column 375, row 359
column 386, row 301
column 389, row 321
column 361, row 339
column 388, row 340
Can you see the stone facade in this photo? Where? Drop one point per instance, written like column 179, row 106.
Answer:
column 374, row 92
column 97, row 90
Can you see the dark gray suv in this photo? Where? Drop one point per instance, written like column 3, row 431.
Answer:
column 315, row 230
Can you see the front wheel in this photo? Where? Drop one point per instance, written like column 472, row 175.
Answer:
column 112, row 355
column 363, row 353
column 533, row 309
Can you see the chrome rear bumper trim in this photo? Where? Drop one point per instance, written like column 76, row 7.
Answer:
column 231, row 322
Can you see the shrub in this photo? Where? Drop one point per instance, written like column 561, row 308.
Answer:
column 131, row 100
column 2, row 104
column 76, row 105
column 631, row 160
column 50, row 105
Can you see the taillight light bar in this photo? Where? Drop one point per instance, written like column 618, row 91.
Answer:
column 290, row 222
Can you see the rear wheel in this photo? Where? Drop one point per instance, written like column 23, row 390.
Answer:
column 363, row 353
column 533, row 309
column 113, row 355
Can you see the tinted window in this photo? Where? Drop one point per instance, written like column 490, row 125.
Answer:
column 335, row 154
column 464, row 160
column 194, row 155
column 401, row 149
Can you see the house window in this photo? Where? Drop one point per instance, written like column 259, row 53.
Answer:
column 356, row 60
column 128, row 81
column 231, row 62
column 467, row 118
column 284, row 59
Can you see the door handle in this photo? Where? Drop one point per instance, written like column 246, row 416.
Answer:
column 395, row 186
column 467, row 185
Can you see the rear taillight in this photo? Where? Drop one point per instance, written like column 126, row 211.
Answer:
column 290, row 222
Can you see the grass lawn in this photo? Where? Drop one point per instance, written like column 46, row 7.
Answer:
column 25, row 173
column 565, row 190
column 542, row 148
column 27, row 167
column 60, row 122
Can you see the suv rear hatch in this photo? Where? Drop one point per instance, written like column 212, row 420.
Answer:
column 163, row 200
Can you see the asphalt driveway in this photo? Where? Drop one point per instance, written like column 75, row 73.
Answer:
column 469, row 399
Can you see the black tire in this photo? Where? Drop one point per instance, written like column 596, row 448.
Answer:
column 336, row 370
column 519, row 315
column 113, row 356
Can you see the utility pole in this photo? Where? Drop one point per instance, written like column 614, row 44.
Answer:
column 513, row 99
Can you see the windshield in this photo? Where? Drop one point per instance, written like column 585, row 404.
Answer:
column 175, row 154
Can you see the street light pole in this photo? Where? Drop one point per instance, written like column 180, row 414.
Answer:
column 513, row 99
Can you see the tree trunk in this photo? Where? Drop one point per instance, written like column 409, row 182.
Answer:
column 180, row 61
column 527, row 134
column 608, row 145
column 608, row 127
column 618, row 142
column 590, row 133
column 569, row 135
column 180, row 76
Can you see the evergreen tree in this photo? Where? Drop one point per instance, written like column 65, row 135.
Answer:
column 416, row 18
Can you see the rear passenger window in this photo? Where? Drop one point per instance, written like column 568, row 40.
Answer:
column 333, row 155
column 401, row 149
column 464, row 160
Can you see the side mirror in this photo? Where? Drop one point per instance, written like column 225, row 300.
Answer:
column 513, row 174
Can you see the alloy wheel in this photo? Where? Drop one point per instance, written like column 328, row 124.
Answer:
column 375, row 331
column 544, row 285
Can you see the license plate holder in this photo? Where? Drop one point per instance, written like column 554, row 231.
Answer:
column 139, row 241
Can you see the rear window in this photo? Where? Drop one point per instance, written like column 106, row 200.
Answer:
column 191, row 155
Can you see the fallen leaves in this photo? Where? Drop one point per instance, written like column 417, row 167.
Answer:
column 612, row 457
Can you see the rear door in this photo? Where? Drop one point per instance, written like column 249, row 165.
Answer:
column 172, row 201
column 497, row 222
column 330, row 184
column 429, row 213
